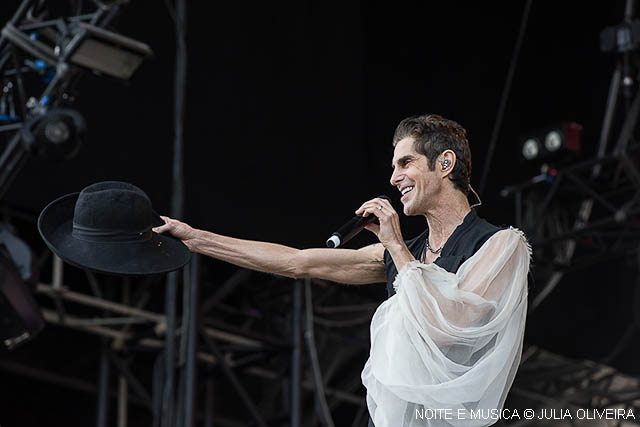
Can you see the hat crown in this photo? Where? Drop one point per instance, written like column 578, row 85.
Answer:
column 112, row 211
column 106, row 228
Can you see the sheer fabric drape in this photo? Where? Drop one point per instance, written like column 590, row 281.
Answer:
column 446, row 347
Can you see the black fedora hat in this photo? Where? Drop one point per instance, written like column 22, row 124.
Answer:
column 107, row 228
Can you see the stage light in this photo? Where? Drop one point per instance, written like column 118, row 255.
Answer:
column 109, row 53
column 530, row 148
column 57, row 133
column 560, row 141
column 85, row 45
column 553, row 141
column 20, row 317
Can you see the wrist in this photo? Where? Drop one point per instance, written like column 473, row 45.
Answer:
column 194, row 240
column 400, row 255
column 397, row 247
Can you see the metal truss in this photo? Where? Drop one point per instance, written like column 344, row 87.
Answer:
column 268, row 350
column 573, row 205
column 247, row 336
column 575, row 217
column 42, row 59
column 251, row 350
column 587, row 213
column 585, row 389
column 237, row 348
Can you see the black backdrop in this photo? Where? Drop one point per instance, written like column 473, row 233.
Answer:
column 291, row 108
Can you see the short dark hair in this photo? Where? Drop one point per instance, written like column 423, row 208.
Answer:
column 434, row 134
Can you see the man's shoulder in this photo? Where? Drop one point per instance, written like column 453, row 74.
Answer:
column 484, row 226
column 482, row 230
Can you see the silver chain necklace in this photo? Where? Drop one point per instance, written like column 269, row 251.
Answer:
column 433, row 251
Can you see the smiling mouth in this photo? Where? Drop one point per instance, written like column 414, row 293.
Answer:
column 407, row 189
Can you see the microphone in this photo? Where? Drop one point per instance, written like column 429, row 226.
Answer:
column 351, row 228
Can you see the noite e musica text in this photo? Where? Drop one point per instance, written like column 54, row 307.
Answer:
column 527, row 414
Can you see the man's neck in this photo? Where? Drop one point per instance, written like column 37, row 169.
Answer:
column 445, row 216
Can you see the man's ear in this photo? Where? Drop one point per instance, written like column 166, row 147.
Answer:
column 447, row 162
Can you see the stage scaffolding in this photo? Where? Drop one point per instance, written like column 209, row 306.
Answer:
column 301, row 336
column 255, row 341
column 576, row 216
column 287, row 352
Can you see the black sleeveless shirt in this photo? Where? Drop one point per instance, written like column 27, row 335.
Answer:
column 465, row 240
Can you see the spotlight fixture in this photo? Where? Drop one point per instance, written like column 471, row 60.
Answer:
column 43, row 55
column 530, row 148
column 109, row 53
column 87, row 46
column 57, row 133
column 553, row 142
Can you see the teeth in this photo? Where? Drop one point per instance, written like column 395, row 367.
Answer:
column 405, row 190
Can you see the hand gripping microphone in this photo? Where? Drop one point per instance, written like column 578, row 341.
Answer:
column 351, row 228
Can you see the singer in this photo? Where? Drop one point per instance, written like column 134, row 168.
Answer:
column 449, row 337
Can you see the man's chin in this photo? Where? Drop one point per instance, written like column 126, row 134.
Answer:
column 407, row 210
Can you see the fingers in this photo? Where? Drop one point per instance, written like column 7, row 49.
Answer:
column 162, row 228
column 373, row 205
column 374, row 228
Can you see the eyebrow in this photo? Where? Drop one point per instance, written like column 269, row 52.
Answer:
column 402, row 160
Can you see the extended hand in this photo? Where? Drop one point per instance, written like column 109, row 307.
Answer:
column 178, row 229
column 388, row 231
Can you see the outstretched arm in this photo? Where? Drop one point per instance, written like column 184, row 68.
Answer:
column 362, row 266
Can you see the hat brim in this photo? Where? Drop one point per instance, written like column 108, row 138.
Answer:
column 160, row 254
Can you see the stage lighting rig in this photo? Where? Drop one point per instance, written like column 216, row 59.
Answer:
column 586, row 211
column 42, row 55
column 56, row 134
column 553, row 143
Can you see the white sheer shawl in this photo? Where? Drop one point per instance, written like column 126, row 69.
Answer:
column 445, row 348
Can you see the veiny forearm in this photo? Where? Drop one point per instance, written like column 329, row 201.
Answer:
column 362, row 266
column 261, row 256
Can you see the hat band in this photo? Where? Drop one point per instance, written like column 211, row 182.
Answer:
column 91, row 234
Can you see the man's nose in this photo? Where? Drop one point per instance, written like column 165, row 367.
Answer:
column 394, row 177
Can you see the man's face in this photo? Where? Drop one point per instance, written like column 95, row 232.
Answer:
column 411, row 175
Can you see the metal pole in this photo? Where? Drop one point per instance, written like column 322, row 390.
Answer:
column 296, row 354
column 176, row 205
column 208, row 402
column 235, row 382
column 143, row 314
column 192, row 342
column 321, row 399
column 103, row 386
column 170, row 343
column 180, row 85
column 505, row 97
column 58, row 269
column 131, row 380
column 123, row 396
column 22, row 9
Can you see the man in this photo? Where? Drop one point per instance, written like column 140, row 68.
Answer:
column 445, row 348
